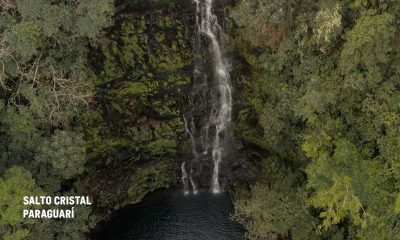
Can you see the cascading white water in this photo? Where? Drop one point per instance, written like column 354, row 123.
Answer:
column 195, row 155
column 189, row 132
column 221, row 120
column 194, row 187
column 216, row 93
column 185, row 179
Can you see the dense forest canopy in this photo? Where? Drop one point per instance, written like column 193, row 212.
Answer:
column 92, row 91
column 44, row 88
column 324, row 82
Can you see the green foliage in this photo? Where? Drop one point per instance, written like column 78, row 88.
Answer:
column 397, row 207
column 43, row 54
column 266, row 25
column 366, row 51
column 21, row 125
column 328, row 26
column 16, row 184
column 339, row 201
column 50, row 17
column 25, row 38
column 43, row 90
column 275, row 205
column 64, row 152
column 327, row 104
column 320, row 91
column 149, row 179
column 135, row 127
column 143, row 75
column 353, row 4
column 92, row 17
column 77, row 228
column 86, row 19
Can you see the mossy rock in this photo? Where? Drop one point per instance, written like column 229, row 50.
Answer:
column 135, row 126
column 148, row 179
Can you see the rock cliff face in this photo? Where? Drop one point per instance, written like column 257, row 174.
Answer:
column 135, row 131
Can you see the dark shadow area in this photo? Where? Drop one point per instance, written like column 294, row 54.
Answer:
column 166, row 215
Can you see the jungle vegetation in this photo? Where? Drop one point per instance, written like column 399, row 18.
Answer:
column 324, row 83
column 91, row 93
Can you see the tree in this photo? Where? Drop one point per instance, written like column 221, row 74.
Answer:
column 328, row 21
column 16, row 184
column 330, row 92
column 266, row 27
column 92, row 17
column 26, row 39
column 365, row 55
column 65, row 152
column 275, row 206
column 44, row 88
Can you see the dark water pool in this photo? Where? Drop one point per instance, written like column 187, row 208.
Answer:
column 173, row 216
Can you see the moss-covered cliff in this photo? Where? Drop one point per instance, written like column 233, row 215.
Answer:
column 134, row 130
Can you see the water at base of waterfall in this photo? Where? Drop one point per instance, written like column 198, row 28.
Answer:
column 165, row 215
column 215, row 91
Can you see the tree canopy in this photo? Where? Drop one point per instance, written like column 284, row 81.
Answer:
column 331, row 94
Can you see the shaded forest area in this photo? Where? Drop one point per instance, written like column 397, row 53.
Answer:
column 91, row 94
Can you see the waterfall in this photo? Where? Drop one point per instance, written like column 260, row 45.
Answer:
column 207, row 24
column 212, row 90
column 193, row 186
column 195, row 155
column 189, row 132
column 185, row 179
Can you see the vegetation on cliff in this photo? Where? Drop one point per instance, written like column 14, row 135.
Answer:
column 139, row 71
column 325, row 87
column 91, row 97
column 89, row 105
column 44, row 89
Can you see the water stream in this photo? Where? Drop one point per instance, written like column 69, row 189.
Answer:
column 213, row 90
